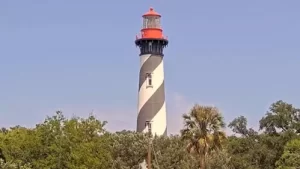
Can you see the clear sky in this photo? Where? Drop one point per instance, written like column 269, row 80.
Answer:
column 79, row 57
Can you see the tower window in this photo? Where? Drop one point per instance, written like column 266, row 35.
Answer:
column 150, row 46
column 149, row 79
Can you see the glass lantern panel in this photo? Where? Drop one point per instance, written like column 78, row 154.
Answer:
column 151, row 22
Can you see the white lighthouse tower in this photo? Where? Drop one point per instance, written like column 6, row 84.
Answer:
column 151, row 98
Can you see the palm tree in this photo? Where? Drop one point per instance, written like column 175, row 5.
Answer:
column 204, row 132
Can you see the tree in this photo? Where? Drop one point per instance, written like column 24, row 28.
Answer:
column 170, row 153
column 261, row 151
column 11, row 165
column 220, row 160
column 280, row 118
column 290, row 158
column 280, row 124
column 72, row 143
column 2, row 157
column 242, row 149
column 53, row 150
column 129, row 149
column 59, row 143
column 89, row 143
column 15, row 141
column 239, row 126
column 203, row 130
column 84, row 143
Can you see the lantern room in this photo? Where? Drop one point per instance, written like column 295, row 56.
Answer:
column 151, row 25
column 151, row 39
column 151, row 19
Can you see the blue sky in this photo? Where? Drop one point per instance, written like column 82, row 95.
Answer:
column 79, row 57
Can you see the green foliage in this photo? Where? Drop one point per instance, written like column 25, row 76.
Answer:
column 290, row 158
column 281, row 117
column 2, row 157
column 84, row 143
column 219, row 160
column 170, row 153
column 59, row 143
column 11, row 165
column 129, row 149
column 261, row 151
column 239, row 126
column 15, row 141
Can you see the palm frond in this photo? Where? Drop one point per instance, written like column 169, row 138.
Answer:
column 203, row 129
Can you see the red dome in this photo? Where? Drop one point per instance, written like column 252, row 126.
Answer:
column 151, row 12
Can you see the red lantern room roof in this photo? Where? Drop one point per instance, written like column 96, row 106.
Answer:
column 151, row 12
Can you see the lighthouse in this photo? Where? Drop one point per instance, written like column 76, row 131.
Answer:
column 152, row 115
